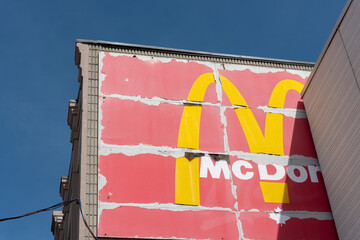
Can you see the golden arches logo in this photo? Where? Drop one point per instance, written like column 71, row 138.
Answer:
column 271, row 142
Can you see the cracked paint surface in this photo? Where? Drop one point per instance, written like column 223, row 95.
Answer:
column 169, row 127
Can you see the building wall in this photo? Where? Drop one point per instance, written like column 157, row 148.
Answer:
column 332, row 101
column 308, row 208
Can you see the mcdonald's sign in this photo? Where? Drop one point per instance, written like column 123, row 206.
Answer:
column 204, row 150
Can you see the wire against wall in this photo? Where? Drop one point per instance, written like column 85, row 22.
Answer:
column 58, row 205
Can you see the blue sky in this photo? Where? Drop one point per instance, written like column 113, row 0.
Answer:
column 38, row 75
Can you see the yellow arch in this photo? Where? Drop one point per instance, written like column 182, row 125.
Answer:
column 187, row 172
column 272, row 141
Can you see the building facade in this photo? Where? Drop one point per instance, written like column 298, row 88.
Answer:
column 175, row 144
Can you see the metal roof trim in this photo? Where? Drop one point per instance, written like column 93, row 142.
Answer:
column 193, row 53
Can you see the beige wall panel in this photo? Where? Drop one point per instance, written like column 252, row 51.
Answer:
column 350, row 32
column 332, row 104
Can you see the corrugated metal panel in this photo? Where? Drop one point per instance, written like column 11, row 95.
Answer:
column 326, row 46
column 350, row 32
column 332, row 105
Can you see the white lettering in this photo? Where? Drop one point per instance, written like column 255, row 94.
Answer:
column 244, row 170
column 313, row 170
column 299, row 179
column 215, row 171
column 236, row 168
column 264, row 174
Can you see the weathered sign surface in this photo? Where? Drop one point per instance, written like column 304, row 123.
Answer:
column 206, row 151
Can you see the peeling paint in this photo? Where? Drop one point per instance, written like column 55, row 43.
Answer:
column 160, row 59
column 307, row 214
column 218, row 84
column 288, row 112
column 156, row 157
column 167, row 206
column 233, row 191
column 265, row 159
column 128, row 150
column 101, row 75
column 101, row 181
column 156, row 101
column 281, row 216
column 148, row 58
column 224, row 122
column 249, row 210
column 259, row 158
column 177, row 207
column 255, row 69
column 303, row 74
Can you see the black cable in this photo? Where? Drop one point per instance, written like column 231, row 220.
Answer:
column 92, row 234
column 62, row 204
column 41, row 210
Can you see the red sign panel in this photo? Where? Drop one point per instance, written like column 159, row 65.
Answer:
column 206, row 151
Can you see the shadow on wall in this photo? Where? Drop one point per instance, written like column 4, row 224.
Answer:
column 308, row 214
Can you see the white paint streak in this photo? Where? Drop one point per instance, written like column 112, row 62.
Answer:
column 163, row 206
column 288, row 112
column 182, row 208
column 233, row 191
column 208, row 64
column 301, row 73
column 133, row 150
column 281, row 216
column 278, row 214
column 250, row 210
column 265, row 159
column 227, row 149
column 101, row 181
column 103, row 205
column 239, row 225
column 218, row 86
column 156, row 101
column 100, row 115
column 224, row 123
column 151, row 59
column 259, row 158
column 254, row 69
column 101, row 75
column 306, row 214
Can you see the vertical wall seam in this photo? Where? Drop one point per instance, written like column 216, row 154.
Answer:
column 349, row 60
